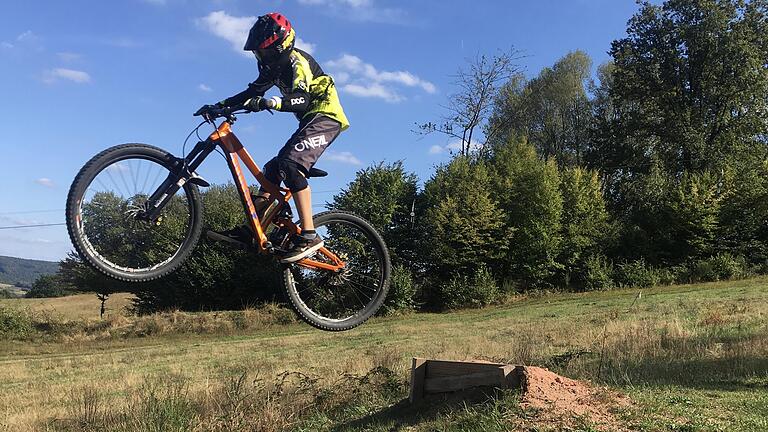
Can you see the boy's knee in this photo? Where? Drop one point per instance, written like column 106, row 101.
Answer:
column 291, row 173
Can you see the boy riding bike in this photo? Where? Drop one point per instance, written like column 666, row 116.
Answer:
column 308, row 93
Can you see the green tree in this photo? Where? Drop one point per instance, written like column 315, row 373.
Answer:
column 744, row 210
column 552, row 110
column 215, row 276
column 585, row 224
column 528, row 191
column 669, row 220
column 80, row 277
column 385, row 195
column 644, row 217
column 694, row 210
column 691, row 79
column 462, row 227
column 47, row 286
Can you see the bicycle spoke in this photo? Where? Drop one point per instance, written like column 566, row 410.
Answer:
column 364, row 275
column 363, row 286
column 109, row 174
column 345, row 295
column 136, row 180
column 109, row 223
column 120, row 169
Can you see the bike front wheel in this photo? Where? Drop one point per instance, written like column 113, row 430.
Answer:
column 344, row 299
column 106, row 197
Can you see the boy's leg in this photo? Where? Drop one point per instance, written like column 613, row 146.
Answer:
column 303, row 200
column 295, row 159
column 292, row 165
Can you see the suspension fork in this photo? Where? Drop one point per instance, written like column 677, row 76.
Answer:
column 182, row 171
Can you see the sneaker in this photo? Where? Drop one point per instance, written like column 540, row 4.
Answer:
column 301, row 247
column 241, row 236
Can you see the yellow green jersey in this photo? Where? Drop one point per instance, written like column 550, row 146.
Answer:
column 306, row 90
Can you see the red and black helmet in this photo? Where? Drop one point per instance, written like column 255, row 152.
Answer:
column 270, row 36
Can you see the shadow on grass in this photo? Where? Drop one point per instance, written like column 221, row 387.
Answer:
column 722, row 374
column 403, row 414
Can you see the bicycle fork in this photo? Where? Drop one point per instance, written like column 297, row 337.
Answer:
column 182, row 171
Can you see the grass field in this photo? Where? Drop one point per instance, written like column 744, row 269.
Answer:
column 14, row 290
column 85, row 306
column 692, row 357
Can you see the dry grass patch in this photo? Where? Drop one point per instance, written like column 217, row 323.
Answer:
column 697, row 352
column 75, row 307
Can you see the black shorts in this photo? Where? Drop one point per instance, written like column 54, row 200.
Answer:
column 314, row 135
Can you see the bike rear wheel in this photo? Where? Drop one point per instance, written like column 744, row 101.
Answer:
column 104, row 200
column 337, row 301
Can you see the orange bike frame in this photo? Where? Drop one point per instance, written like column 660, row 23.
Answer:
column 226, row 139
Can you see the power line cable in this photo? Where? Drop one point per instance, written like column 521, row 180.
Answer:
column 31, row 211
column 31, row 226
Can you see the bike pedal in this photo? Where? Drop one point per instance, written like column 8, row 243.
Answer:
column 212, row 235
column 199, row 181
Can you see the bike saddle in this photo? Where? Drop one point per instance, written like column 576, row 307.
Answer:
column 314, row 172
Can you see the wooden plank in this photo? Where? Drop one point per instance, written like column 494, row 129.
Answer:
column 418, row 371
column 493, row 378
column 447, row 368
column 513, row 376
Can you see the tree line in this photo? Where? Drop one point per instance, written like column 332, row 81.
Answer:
column 652, row 170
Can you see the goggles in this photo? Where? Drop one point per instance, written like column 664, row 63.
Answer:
column 264, row 54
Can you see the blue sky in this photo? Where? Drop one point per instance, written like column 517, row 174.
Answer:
column 79, row 76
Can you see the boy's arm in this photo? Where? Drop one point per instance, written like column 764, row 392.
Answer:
column 299, row 98
column 255, row 89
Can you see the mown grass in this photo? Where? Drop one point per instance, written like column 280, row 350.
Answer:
column 693, row 357
column 80, row 306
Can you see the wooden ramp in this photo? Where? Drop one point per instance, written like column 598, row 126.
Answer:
column 441, row 376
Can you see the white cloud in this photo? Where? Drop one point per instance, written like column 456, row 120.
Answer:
column 343, row 157
column 27, row 36
column 436, row 149
column 44, row 181
column 457, row 145
column 373, row 90
column 349, row 3
column 235, row 30
column 118, row 167
column 68, row 56
column 305, row 46
column 230, row 28
column 204, row 88
column 58, row 74
column 359, row 10
column 55, row 75
column 453, row 147
column 121, row 42
column 363, row 79
column 27, row 40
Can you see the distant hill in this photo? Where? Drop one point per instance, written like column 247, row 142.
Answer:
column 22, row 272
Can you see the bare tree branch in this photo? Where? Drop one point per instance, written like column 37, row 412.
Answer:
column 478, row 83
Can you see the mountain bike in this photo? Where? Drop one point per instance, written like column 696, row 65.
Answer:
column 134, row 213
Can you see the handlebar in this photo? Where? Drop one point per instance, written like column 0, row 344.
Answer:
column 211, row 113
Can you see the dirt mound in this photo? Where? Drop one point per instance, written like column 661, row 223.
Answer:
column 560, row 399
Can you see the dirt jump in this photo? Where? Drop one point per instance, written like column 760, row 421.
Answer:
column 559, row 399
